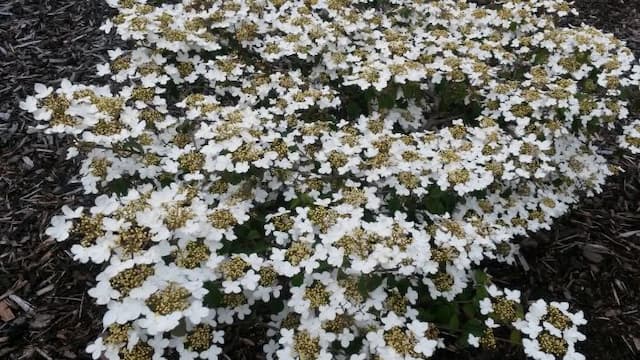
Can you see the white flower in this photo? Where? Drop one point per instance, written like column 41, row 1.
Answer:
column 104, row 205
column 98, row 253
column 212, row 353
column 155, row 323
column 250, row 280
column 103, row 69
column 270, row 348
column 345, row 338
column 96, row 348
column 59, row 228
column 196, row 312
column 42, row 91
column 426, row 346
column 159, row 344
column 513, row 295
column 72, row 152
column 473, row 340
column 486, row 306
column 121, row 312
column 103, row 292
column 376, row 339
column 30, row 104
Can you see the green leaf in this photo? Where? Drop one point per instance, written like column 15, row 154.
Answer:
column 576, row 124
column 172, row 90
column 368, row 283
column 541, row 56
column 480, row 277
column 454, row 321
column 355, row 345
column 302, row 200
column 583, row 57
column 181, row 329
column 440, row 202
column 481, row 293
column 119, row 186
column 362, row 287
column 435, row 207
column 133, row 146
column 275, row 306
column 473, row 326
column 452, row 95
column 214, row 297
column 374, row 282
column 403, row 285
column 515, row 336
column 323, row 266
column 469, row 310
column 387, row 99
column 444, row 313
column 411, row 90
column 593, row 125
column 254, row 235
column 233, row 178
column 368, row 95
column 297, row 280
column 353, row 110
column 166, row 179
column 472, row 111
column 386, row 102
column 394, row 203
column 426, row 315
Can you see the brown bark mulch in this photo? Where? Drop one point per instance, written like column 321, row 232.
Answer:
column 40, row 285
column 591, row 257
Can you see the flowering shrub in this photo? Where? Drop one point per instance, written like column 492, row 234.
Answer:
column 337, row 171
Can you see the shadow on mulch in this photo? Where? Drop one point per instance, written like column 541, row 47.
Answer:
column 590, row 258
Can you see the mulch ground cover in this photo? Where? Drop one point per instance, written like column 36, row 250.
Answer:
column 590, row 258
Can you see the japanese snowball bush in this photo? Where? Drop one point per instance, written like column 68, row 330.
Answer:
column 335, row 171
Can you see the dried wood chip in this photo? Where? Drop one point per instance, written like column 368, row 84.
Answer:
column 629, row 233
column 592, row 253
column 23, row 304
column 6, row 314
column 45, row 290
column 41, row 321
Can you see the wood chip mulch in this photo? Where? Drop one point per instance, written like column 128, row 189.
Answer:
column 45, row 312
column 591, row 258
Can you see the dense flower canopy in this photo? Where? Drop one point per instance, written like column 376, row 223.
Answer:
column 341, row 165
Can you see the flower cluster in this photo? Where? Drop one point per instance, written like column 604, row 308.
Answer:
column 630, row 138
column 551, row 331
column 344, row 165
